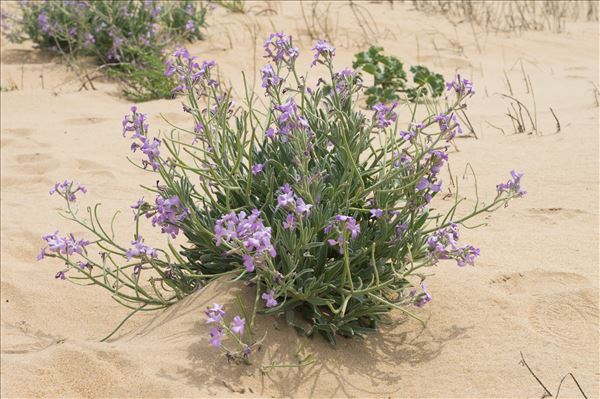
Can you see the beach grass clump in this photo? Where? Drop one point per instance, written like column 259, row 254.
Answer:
column 324, row 211
column 131, row 37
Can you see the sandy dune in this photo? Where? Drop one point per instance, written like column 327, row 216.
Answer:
column 534, row 290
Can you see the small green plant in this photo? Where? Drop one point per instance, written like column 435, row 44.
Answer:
column 390, row 79
column 130, row 37
column 238, row 6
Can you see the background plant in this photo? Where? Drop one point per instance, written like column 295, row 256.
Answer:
column 390, row 79
column 324, row 211
column 129, row 36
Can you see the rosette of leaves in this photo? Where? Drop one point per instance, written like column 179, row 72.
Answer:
column 390, row 79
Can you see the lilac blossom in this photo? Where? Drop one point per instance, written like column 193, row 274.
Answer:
column 269, row 77
column 189, row 26
column 237, row 325
column 513, row 185
column 443, row 244
column 342, row 224
column 269, row 297
column 214, row 314
column 67, row 189
column 278, row 47
column 140, row 249
column 422, row 299
column 385, row 114
column 62, row 245
column 376, row 213
column 449, row 124
column 247, row 233
column 287, row 199
column 322, row 48
column 290, row 222
column 290, row 119
column 169, row 213
column 216, row 336
column 257, row 168
column 461, row 86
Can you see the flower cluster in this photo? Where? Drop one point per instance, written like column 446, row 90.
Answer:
column 67, row 189
column 461, row 86
column 247, row 233
column 188, row 71
column 290, row 119
column 279, row 48
column 62, row 245
column 169, row 213
column 513, row 185
column 420, row 299
column 323, row 49
column 449, row 124
column 342, row 225
column 136, row 122
column 289, row 201
column 443, row 244
column 384, row 114
column 215, row 316
column 269, row 77
column 140, row 249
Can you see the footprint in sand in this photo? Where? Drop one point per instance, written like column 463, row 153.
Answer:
column 562, row 310
column 17, row 339
column 552, row 215
column 87, row 120
column 569, row 318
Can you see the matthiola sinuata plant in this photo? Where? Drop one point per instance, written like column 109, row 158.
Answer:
column 130, row 36
column 323, row 210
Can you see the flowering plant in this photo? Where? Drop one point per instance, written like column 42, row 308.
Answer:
column 325, row 212
column 130, row 36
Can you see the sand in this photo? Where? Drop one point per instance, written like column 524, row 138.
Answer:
column 534, row 289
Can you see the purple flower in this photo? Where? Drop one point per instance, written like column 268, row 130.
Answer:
column 301, row 207
column 60, row 275
column 269, row 298
column 139, row 249
column 248, row 263
column 342, row 224
column 216, row 336
column 290, row 222
column 68, row 189
column 246, row 233
column 290, row 119
column 189, row 26
column 214, row 314
column 448, row 124
column 443, row 244
column 461, row 86
column 423, row 298
column 287, row 199
column 63, row 245
column 385, row 114
column 376, row 213
column 513, row 185
column 88, row 40
column 257, row 168
column 270, row 133
column 269, row 77
column 278, row 47
column 43, row 22
column 237, row 325
column 169, row 213
column 322, row 48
